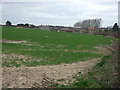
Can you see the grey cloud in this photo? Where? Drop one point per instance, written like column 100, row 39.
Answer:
column 55, row 13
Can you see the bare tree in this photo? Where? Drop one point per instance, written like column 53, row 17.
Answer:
column 89, row 23
column 77, row 24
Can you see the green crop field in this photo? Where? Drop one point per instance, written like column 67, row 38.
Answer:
column 48, row 47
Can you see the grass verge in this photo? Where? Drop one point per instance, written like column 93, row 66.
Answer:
column 101, row 76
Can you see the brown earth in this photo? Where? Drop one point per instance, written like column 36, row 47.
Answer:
column 43, row 76
column 8, row 41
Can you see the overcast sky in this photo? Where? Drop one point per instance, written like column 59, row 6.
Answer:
column 59, row 12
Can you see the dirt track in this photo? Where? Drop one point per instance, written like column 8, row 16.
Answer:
column 43, row 76
column 8, row 41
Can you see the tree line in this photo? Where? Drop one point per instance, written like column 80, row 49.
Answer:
column 8, row 23
column 96, row 23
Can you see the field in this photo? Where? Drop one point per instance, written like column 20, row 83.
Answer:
column 30, row 48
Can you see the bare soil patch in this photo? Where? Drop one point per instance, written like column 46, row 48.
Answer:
column 104, row 50
column 43, row 76
column 8, row 41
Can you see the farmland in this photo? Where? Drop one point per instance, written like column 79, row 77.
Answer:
column 31, row 47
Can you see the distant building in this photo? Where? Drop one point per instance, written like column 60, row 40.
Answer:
column 119, row 13
column 91, row 29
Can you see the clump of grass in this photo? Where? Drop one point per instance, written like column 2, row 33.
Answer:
column 80, row 83
column 85, row 83
column 61, row 80
column 103, row 61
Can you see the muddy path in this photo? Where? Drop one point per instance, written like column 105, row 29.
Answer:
column 9, row 41
column 43, row 76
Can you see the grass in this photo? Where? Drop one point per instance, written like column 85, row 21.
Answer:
column 80, row 83
column 103, row 61
column 92, row 79
column 49, row 47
